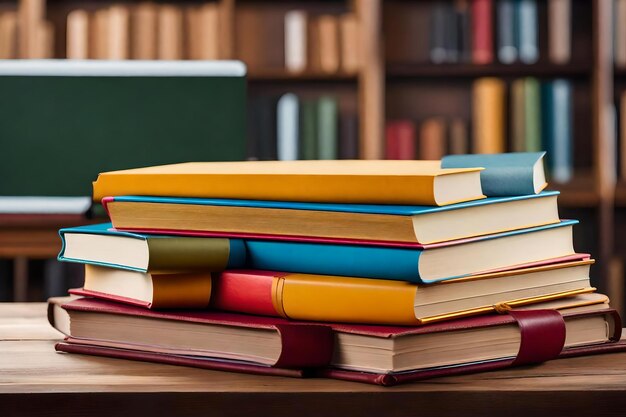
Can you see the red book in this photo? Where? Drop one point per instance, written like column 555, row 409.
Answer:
column 255, row 340
column 400, row 136
column 482, row 30
column 487, row 342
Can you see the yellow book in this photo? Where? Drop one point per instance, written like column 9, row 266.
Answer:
column 367, row 182
column 488, row 115
column 372, row 301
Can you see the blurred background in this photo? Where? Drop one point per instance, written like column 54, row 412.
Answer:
column 375, row 79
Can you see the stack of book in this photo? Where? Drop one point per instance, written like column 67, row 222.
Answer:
column 373, row 271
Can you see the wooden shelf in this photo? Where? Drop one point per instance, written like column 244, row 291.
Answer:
column 620, row 194
column 472, row 70
column 581, row 192
column 280, row 75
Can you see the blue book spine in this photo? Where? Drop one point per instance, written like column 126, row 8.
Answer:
column 287, row 127
column 527, row 31
column 562, row 160
column 507, row 48
column 344, row 260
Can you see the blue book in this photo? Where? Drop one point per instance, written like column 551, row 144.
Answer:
column 419, row 263
column 382, row 224
column 425, row 264
column 100, row 244
column 528, row 28
column 506, row 174
column 507, row 47
column 557, row 129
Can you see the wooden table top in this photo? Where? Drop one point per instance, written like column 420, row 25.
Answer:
column 35, row 380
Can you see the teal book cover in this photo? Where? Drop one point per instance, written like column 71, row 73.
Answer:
column 505, row 174
column 236, row 249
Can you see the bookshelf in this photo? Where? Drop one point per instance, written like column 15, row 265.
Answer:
column 394, row 81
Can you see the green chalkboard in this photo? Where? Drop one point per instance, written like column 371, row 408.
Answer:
column 58, row 132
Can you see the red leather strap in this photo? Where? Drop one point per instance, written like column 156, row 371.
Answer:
column 543, row 335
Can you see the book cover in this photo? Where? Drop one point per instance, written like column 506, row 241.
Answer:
column 515, row 173
column 369, row 182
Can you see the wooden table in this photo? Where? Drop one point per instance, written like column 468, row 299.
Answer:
column 36, row 381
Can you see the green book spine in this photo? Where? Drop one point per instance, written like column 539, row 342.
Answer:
column 532, row 113
column 327, row 128
column 308, row 130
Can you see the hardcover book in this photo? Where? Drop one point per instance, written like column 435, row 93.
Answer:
column 374, row 354
column 516, row 173
column 352, row 222
column 368, row 182
column 406, row 261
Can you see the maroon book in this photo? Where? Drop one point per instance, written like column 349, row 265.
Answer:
column 308, row 352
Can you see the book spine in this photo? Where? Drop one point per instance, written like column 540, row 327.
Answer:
column 528, row 48
column 482, row 31
column 327, row 127
column 99, row 35
column 77, row 35
column 560, row 30
column 267, row 128
column 208, row 41
column 406, row 139
column 296, row 41
column 488, row 115
column 532, row 115
column 329, row 43
column 170, row 33
column 349, row 37
column 464, row 33
column 308, row 130
column 438, row 27
column 391, row 141
column 249, row 292
column 562, row 167
column 507, row 50
column 349, row 138
column 287, row 127
column 144, row 31
column 459, row 143
column 329, row 259
column 30, row 15
column 118, row 32
column 451, row 34
column 432, row 142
